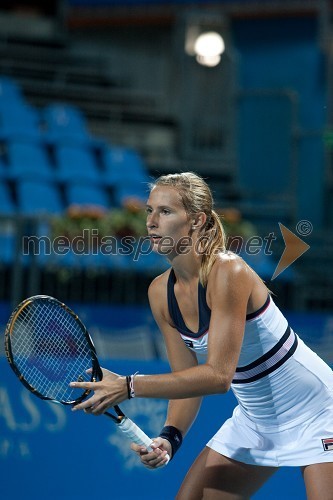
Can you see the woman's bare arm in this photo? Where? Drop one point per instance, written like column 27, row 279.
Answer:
column 229, row 289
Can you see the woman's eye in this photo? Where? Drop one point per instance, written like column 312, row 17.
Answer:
column 165, row 212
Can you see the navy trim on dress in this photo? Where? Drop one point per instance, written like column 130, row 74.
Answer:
column 204, row 310
column 260, row 310
column 176, row 315
column 270, row 361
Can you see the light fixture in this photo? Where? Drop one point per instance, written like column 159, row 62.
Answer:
column 208, row 48
column 209, row 61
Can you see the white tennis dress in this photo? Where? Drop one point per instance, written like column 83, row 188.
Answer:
column 284, row 391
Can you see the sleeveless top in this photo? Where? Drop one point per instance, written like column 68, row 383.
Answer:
column 268, row 340
column 278, row 380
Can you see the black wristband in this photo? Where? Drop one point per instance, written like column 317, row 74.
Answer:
column 174, row 436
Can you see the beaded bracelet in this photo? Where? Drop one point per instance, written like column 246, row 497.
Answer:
column 174, row 436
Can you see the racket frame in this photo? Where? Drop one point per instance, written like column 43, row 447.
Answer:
column 96, row 369
column 125, row 424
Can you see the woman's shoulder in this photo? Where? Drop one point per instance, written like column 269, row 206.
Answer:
column 158, row 296
column 232, row 273
column 160, row 283
column 229, row 262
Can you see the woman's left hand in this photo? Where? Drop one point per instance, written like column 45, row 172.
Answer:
column 158, row 456
column 110, row 391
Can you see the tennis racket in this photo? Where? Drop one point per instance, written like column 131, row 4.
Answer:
column 48, row 347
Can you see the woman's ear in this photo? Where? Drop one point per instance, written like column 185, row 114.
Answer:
column 199, row 220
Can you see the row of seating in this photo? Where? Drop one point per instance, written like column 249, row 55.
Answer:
column 46, row 154
column 57, row 122
column 38, row 197
column 34, row 195
column 118, row 168
column 49, row 161
column 112, row 166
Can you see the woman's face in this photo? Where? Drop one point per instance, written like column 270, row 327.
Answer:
column 168, row 223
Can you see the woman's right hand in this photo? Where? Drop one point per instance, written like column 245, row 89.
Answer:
column 158, row 457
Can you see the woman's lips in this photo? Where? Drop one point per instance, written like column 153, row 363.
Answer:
column 155, row 237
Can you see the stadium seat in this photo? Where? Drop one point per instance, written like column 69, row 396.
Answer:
column 38, row 197
column 125, row 192
column 85, row 194
column 77, row 164
column 121, row 165
column 28, row 159
column 19, row 120
column 65, row 123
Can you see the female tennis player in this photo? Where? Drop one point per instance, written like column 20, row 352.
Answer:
column 211, row 302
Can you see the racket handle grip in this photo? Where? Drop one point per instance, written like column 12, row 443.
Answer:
column 136, row 435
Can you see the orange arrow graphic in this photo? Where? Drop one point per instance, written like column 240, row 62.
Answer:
column 294, row 248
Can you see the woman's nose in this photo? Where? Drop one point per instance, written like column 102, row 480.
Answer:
column 151, row 221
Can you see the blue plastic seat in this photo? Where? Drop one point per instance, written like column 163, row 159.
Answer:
column 28, row 159
column 85, row 194
column 65, row 123
column 64, row 117
column 19, row 120
column 122, row 165
column 77, row 164
column 130, row 191
column 38, row 197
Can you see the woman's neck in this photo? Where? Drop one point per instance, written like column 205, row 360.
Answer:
column 186, row 267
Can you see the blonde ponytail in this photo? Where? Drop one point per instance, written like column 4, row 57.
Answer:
column 213, row 242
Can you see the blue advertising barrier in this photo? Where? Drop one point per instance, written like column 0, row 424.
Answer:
column 47, row 451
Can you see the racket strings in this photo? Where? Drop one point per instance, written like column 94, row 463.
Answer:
column 50, row 349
